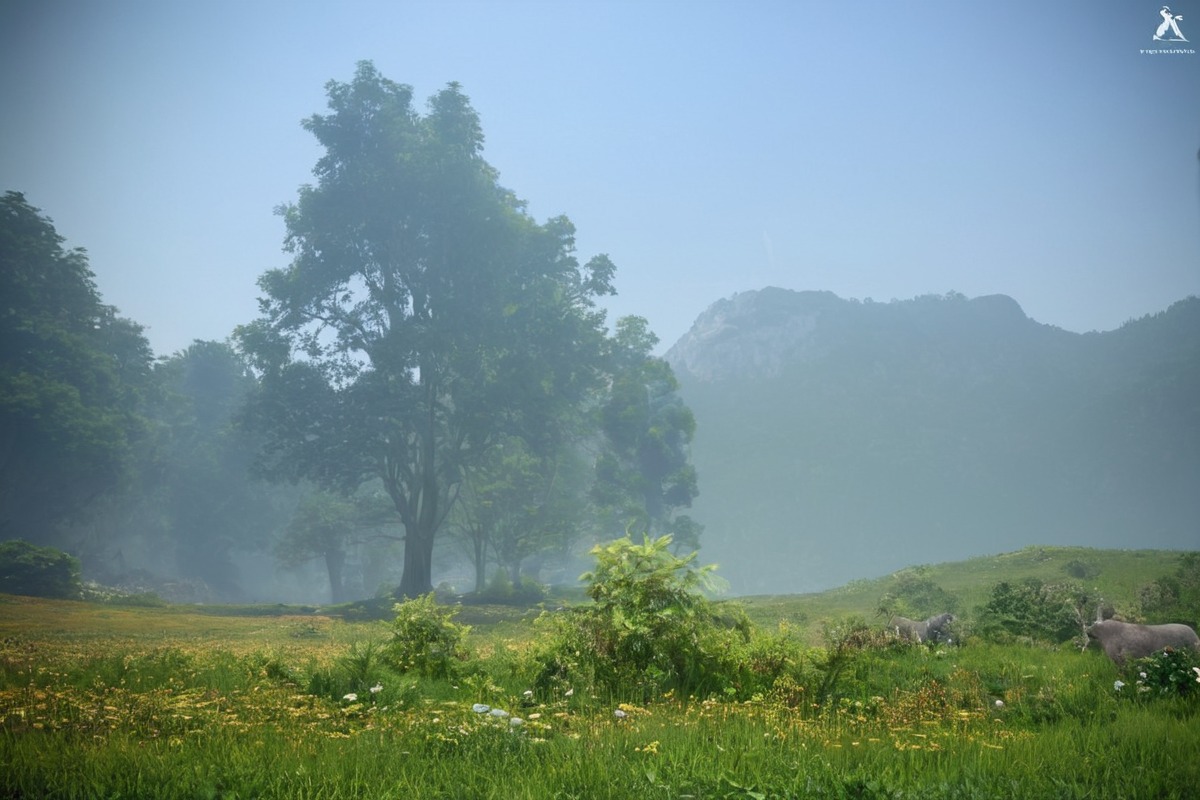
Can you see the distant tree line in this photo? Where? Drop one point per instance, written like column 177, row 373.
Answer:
column 431, row 366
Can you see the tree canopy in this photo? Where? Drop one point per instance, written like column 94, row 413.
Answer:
column 424, row 314
column 71, row 373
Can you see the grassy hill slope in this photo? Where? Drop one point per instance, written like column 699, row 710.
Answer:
column 1117, row 575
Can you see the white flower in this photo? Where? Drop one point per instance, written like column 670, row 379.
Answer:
column 377, row 688
column 528, row 694
column 1142, row 674
column 619, row 714
column 480, row 708
column 999, row 704
column 499, row 713
column 1117, row 685
column 352, row 697
column 569, row 692
column 1197, row 671
column 516, row 722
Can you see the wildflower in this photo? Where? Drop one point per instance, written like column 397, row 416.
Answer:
column 528, row 694
column 619, row 714
column 569, row 692
column 377, row 688
column 515, row 722
column 350, row 698
column 499, row 713
column 1197, row 671
column 480, row 708
column 1117, row 685
column 999, row 704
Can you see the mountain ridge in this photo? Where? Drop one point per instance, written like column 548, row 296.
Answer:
column 933, row 428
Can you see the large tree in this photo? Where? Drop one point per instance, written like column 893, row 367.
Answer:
column 424, row 313
column 71, row 372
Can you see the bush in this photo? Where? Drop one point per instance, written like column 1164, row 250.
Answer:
column 915, row 596
column 425, row 640
column 1053, row 612
column 650, row 630
column 502, row 591
column 1168, row 672
column 38, row 571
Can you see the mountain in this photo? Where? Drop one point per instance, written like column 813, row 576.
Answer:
column 839, row 439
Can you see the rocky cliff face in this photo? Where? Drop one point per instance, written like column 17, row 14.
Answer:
column 752, row 334
column 758, row 334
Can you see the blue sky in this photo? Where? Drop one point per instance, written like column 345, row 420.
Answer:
column 874, row 149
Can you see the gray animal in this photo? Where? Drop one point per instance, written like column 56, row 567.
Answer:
column 1124, row 640
column 933, row 629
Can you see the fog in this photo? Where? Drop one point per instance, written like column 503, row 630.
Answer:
column 879, row 153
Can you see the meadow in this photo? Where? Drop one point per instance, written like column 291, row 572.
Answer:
column 108, row 701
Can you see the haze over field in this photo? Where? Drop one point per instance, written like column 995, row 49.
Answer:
column 875, row 149
column 357, row 340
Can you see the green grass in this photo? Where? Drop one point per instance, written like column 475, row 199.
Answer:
column 1118, row 576
column 98, row 701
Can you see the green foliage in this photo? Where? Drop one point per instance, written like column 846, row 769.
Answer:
column 644, row 472
column 71, row 375
column 38, row 571
column 500, row 589
column 1052, row 612
column 1174, row 597
column 916, row 596
column 424, row 313
column 1169, row 672
column 650, row 627
column 425, row 639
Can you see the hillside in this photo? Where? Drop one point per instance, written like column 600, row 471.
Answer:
column 838, row 440
column 1117, row 575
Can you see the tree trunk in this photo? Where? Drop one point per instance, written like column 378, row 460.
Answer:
column 480, row 564
column 417, row 579
column 335, row 559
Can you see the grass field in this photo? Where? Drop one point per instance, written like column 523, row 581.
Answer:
column 104, row 701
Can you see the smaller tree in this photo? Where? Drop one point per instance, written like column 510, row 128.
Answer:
column 34, row 571
column 644, row 472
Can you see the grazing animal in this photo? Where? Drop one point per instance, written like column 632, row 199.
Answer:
column 930, row 630
column 1124, row 640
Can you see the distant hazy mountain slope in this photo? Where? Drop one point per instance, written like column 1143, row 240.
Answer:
column 838, row 440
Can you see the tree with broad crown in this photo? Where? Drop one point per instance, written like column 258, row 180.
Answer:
column 71, row 375
column 424, row 313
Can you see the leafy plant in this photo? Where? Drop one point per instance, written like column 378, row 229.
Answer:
column 425, row 639
column 1052, row 612
column 1169, row 672
column 650, row 627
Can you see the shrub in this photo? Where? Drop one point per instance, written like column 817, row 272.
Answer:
column 38, row 571
column 502, row 591
column 650, row 629
column 425, row 639
column 915, row 596
column 1050, row 612
column 1167, row 672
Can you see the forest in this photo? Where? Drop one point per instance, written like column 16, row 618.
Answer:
column 430, row 369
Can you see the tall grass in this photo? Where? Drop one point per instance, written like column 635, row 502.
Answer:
column 264, row 713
